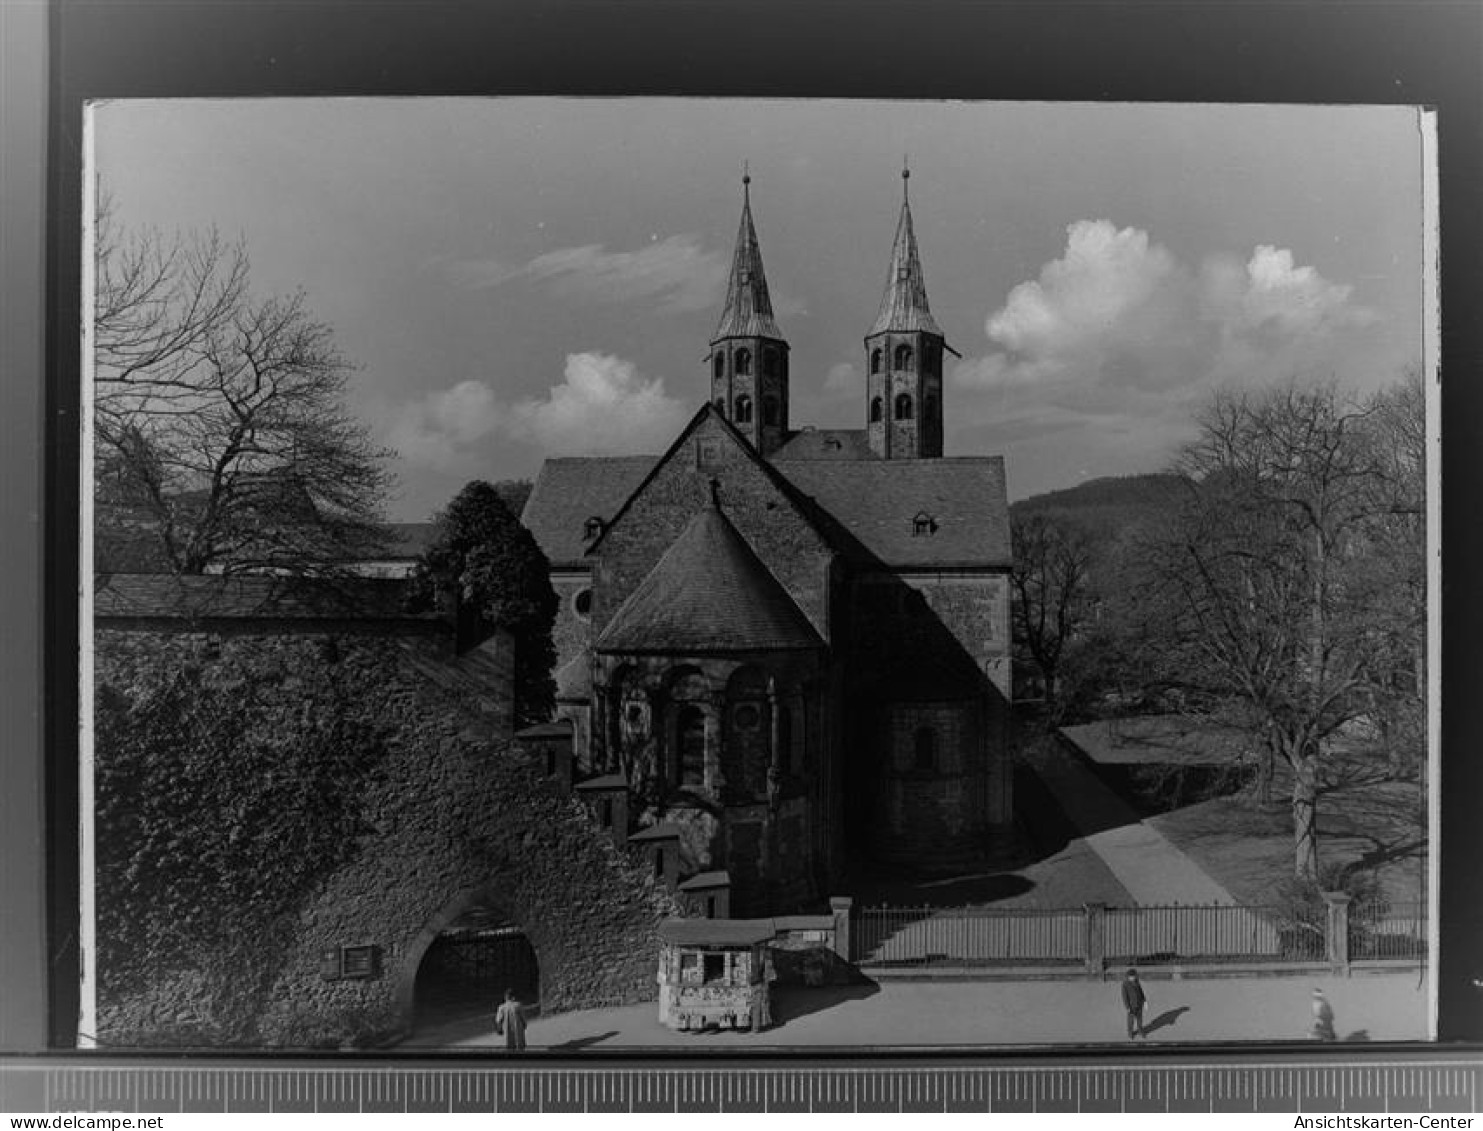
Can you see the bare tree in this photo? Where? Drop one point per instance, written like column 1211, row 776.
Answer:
column 1269, row 594
column 1052, row 560
column 222, row 439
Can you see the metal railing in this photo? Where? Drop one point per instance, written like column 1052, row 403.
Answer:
column 1095, row 935
column 966, row 936
column 1387, row 930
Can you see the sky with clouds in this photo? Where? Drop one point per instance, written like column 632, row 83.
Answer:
column 518, row 278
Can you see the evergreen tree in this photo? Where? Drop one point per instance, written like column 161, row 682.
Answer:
column 484, row 561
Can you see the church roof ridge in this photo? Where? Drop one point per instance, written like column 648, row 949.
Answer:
column 709, row 592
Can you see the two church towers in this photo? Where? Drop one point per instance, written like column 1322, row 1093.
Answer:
column 748, row 357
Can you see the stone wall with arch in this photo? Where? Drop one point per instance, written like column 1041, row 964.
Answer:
column 454, row 812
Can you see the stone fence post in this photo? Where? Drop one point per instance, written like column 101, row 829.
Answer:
column 1336, row 930
column 839, row 906
column 1096, row 938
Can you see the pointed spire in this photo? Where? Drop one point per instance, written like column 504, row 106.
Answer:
column 904, row 306
column 748, row 310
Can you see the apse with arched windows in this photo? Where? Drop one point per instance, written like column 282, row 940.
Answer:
column 730, row 750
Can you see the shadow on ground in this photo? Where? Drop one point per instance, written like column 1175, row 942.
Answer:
column 1165, row 1020
column 875, row 885
column 792, row 1002
column 577, row 1043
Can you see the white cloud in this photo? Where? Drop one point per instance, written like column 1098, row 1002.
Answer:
column 441, row 429
column 603, row 406
column 677, row 273
column 676, row 270
column 1118, row 312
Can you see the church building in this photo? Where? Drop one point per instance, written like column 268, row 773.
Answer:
column 793, row 643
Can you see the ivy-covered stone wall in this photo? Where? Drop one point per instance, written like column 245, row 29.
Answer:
column 265, row 799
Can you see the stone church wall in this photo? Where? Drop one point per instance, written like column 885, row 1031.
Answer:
column 572, row 631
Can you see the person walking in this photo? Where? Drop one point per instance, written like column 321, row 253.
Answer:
column 1134, row 1001
column 1323, row 1018
column 510, row 1021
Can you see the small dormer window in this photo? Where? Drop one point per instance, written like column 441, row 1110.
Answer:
column 924, row 525
column 592, row 528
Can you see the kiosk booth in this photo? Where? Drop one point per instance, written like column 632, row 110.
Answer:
column 715, row 972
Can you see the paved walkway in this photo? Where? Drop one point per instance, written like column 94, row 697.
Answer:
column 1371, row 1007
column 1142, row 859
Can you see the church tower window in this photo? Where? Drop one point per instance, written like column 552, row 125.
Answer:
column 769, row 362
column 876, row 411
column 744, row 409
column 743, row 363
column 718, row 365
column 875, row 360
column 903, row 357
column 769, row 410
column 903, row 406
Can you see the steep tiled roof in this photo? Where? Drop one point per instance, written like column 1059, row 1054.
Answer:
column 716, row 932
column 748, row 310
column 196, row 597
column 568, row 492
column 904, row 304
column 708, row 593
column 826, row 443
column 878, row 501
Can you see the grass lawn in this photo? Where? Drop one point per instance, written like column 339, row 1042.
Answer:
column 1248, row 849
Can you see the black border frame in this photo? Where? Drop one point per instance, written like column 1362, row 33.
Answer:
column 1334, row 51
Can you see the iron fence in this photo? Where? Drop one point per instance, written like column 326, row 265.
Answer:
column 1146, row 935
column 1387, row 930
column 966, row 936
column 1209, row 933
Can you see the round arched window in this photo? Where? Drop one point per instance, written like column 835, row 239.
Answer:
column 903, row 407
column 582, row 603
column 718, row 365
column 903, row 357
column 743, row 362
column 875, row 360
column 744, row 410
column 875, row 410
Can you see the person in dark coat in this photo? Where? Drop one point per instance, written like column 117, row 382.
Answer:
column 510, row 1021
column 1323, row 1018
column 1134, row 1000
